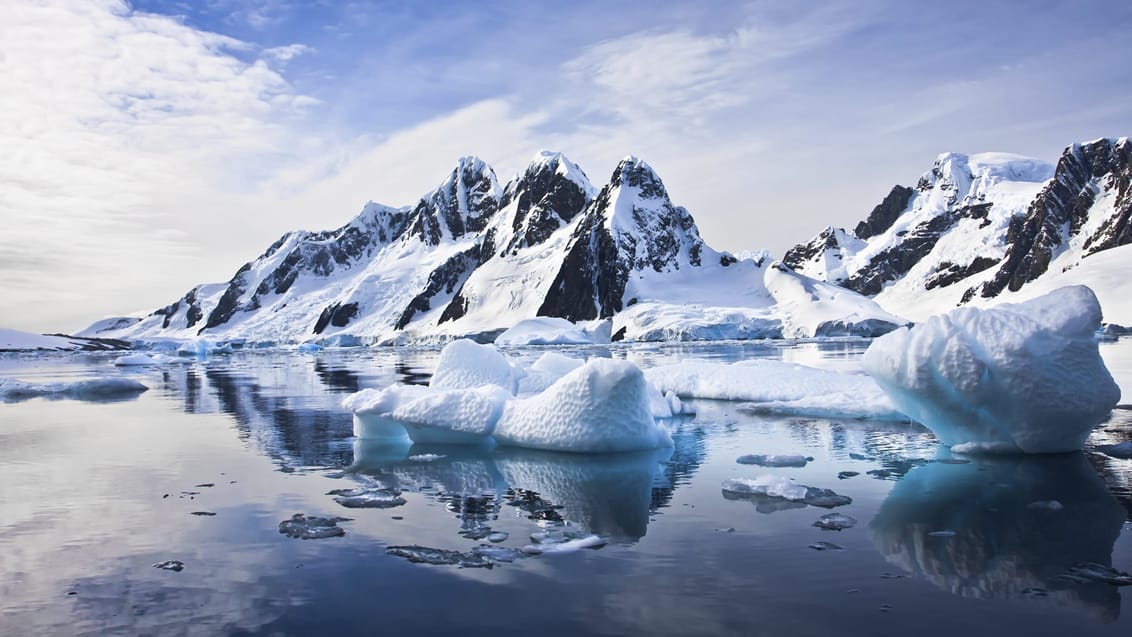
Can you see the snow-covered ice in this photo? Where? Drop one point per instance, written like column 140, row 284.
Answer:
column 453, row 416
column 1025, row 377
column 835, row 522
column 312, row 527
column 546, row 330
column 93, row 390
column 602, row 406
column 465, row 364
column 368, row 498
column 774, row 386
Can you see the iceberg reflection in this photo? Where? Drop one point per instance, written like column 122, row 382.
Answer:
column 1005, row 527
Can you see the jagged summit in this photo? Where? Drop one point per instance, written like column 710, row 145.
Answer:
column 976, row 226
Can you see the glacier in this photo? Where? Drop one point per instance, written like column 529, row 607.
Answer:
column 1024, row 377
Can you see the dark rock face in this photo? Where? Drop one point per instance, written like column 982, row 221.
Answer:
column 193, row 312
column 462, row 205
column 895, row 262
column 338, row 315
column 447, row 278
column 592, row 278
column 949, row 273
column 1061, row 210
column 545, row 201
column 884, row 215
column 802, row 253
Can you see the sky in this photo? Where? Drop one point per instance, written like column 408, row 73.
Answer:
column 150, row 145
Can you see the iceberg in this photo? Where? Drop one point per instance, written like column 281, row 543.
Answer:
column 602, row 406
column 453, row 416
column 465, row 364
column 778, row 387
column 1024, row 377
column 546, row 330
column 773, row 486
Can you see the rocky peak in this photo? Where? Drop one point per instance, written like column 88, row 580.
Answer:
column 462, row 204
column 632, row 172
column 549, row 194
column 885, row 213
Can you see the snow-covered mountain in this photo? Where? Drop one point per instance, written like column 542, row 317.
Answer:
column 987, row 227
column 473, row 257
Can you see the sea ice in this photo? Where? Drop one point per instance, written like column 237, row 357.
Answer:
column 785, row 488
column 545, row 330
column 303, row 527
column 96, row 389
column 1017, row 377
column 774, row 386
column 139, row 359
column 453, row 416
column 545, row 371
column 600, row 407
column 465, row 364
column 309, row 348
column 775, row 460
column 835, row 522
column 368, row 498
column 373, row 409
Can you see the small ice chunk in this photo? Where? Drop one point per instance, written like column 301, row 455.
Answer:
column 822, row 545
column 845, row 475
column 302, row 527
column 603, row 406
column 774, row 460
column 1046, row 505
column 565, row 546
column 426, row 457
column 309, row 348
column 366, row 498
column 171, row 565
column 498, row 536
column 139, row 359
column 1025, row 377
column 441, row 557
column 785, row 488
column 498, row 553
column 835, row 522
column 465, row 364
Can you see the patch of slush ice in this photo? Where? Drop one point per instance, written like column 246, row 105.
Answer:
column 96, row 389
column 303, row 527
column 465, row 364
column 835, row 522
column 777, row 387
column 774, row 460
column 785, row 488
column 1024, row 377
column 602, row 406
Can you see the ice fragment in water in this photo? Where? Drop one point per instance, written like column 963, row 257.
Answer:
column 498, row 536
column 778, row 487
column 822, row 545
column 1013, row 378
column 426, row 457
column 944, row 533
column 835, row 522
column 777, row 460
column 365, row 498
column 312, row 527
column 440, row 557
column 565, row 546
column 171, row 565
column 844, row 475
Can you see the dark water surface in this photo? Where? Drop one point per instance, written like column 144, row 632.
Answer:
column 204, row 467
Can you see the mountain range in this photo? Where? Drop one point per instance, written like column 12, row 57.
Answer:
column 473, row 257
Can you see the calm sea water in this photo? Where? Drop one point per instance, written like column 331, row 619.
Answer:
column 203, row 468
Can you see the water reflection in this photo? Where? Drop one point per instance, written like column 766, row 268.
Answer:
column 612, row 495
column 1019, row 524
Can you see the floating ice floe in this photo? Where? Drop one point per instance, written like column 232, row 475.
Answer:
column 309, row 348
column 835, row 522
column 545, row 371
column 774, row 460
column 602, row 405
column 368, row 498
column 304, row 527
column 1013, row 378
column 97, row 389
column 545, row 330
column 785, row 488
column 777, row 387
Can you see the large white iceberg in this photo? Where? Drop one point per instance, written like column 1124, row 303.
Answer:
column 1025, row 377
column 604, row 405
column 778, row 387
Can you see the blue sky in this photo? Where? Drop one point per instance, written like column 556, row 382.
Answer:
column 156, row 144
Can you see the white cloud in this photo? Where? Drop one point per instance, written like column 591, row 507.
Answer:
column 108, row 120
